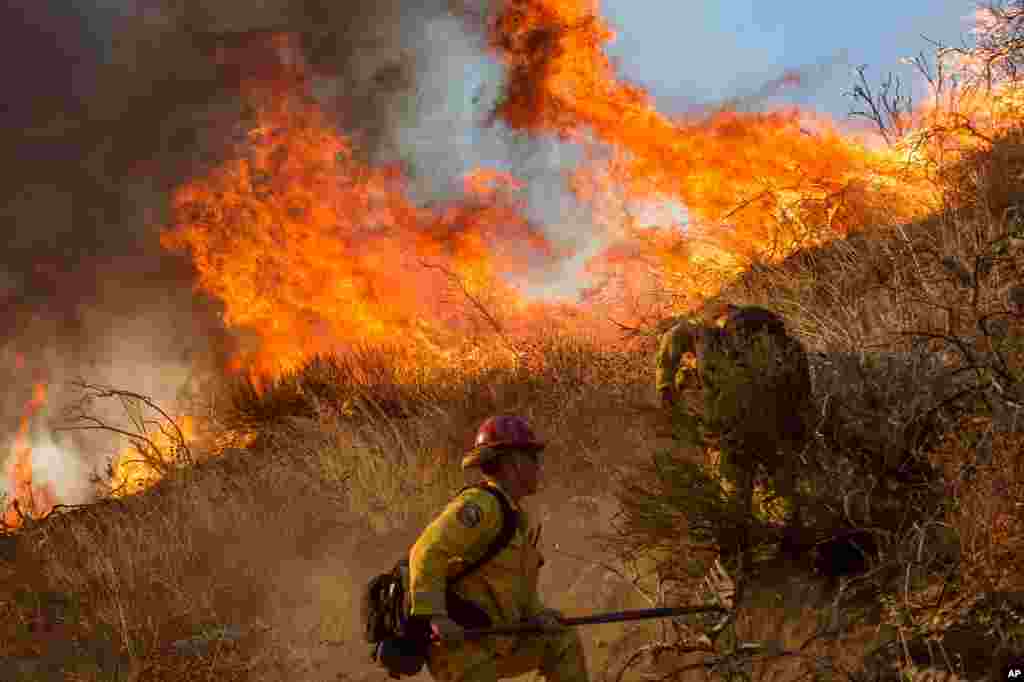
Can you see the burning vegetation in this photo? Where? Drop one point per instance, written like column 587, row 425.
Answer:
column 757, row 185
column 28, row 499
column 369, row 333
column 315, row 251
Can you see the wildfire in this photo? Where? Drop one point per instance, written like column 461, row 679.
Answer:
column 143, row 463
column 315, row 251
column 955, row 122
column 756, row 186
column 27, row 500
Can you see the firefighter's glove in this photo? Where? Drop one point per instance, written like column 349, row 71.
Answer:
column 549, row 620
column 721, row 585
column 443, row 628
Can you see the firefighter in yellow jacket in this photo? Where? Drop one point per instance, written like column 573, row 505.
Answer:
column 747, row 381
column 675, row 372
column 505, row 588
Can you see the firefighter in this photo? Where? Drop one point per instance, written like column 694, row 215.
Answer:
column 748, row 382
column 675, row 369
column 505, row 588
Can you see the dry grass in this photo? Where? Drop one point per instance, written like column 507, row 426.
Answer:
column 987, row 504
column 156, row 567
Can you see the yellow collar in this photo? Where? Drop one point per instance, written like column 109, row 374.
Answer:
column 497, row 486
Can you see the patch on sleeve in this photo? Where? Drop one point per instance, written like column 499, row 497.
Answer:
column 470, row 514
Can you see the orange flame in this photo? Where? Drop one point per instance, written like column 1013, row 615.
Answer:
column 135, row 471
column 27, row 500
column 316, row 251
column 754, row 185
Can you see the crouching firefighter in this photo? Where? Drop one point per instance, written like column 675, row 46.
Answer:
column 750, row 384
column 476, row 566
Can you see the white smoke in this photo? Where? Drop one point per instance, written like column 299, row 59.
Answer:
column 63, row 468
column 441, row 134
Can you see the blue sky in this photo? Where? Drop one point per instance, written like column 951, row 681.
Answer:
column 690, row 52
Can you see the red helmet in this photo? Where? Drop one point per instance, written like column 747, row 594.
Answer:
column 502, row 431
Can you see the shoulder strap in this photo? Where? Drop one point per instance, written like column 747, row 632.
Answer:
column 509, row 524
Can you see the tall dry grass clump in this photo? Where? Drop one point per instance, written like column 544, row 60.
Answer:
column 986, row 503
column 203, row 548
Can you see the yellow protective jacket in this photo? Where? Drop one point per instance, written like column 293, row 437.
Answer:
column 505, row 587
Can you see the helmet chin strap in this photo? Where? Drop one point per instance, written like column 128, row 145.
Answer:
column 520, row 488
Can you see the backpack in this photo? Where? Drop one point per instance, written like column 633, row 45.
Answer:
column 400, row 642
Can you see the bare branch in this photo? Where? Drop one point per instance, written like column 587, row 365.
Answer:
column 80, row 417
column 889, row 109
column 476, row 303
